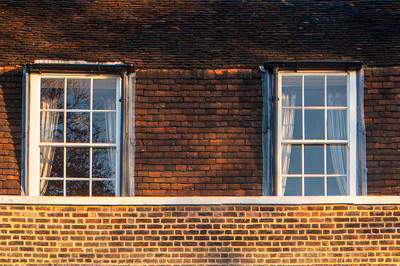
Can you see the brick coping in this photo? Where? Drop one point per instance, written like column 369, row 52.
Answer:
column 263, row 200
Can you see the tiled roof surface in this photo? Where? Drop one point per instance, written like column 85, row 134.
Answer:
column 199, row 33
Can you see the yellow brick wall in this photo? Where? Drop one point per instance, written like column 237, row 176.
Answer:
column 224, row 234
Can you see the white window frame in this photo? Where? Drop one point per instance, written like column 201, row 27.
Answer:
column 34, row 101
column 351, row 127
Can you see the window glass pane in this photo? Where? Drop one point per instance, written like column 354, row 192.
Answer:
column 52, row 93
column 51, row 161
column 291, row 124
column 337, row 185
column 291, row 91
column 314, row 186
column 104, row 188
column 77, row 188
column 103, row 163
column 314, row 122
column 313, row 159
column 78, row 162
column 78, row 93
column 104, row 94
column 336, row 159
column 51, row 188
column 291, row 159
column 77, row 127
column 103, row 127
column 337, row 90
column 292, row 186
column 337, row 124
column 314, row 92
column 51, row 126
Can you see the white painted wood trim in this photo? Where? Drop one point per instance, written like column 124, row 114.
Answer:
column 34, row 136
column 160, row 201
column 352, row 88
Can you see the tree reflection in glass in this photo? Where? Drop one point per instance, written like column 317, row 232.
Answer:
column 78, row 94
column 52, row 93
column 78, row 127
column 103, row 127
column 103, row 163
column 103, row 188
column 77, row 162
column 77, row 188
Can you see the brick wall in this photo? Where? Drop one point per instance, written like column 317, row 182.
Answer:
column 10, row 130
column 226, row 234
column 198, row 133
column 382, row 118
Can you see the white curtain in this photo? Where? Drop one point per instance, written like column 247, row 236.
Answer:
column 48, row 127
column 288, row 116
column 110, row 131
column 337, row 128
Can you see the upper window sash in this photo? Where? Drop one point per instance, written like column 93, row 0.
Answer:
column 35, row 143
column 351, row 140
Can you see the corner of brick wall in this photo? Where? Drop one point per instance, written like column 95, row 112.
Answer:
column 10, row 130
column 382, row 119
column 198, row 132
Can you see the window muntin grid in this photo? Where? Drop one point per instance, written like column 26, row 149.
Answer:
column 86, row 137
column 309, row 110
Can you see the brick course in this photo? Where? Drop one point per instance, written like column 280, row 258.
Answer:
column 227, row 234
column 10, row 130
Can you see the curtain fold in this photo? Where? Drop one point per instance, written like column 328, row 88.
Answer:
column 288, row 116
column 110, row 131
column 48, row 126
column 337, row 129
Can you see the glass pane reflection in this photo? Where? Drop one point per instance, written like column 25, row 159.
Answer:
column 51, row 188
column 313, row 159
column 77, row 188
column 104, row 94
column 77, row 162
column 314, row 186
column 105, row 188
column 78, row 93
column 337, row 90
column 103, row 127
column 314, row 123
column 52, row 93
column 103, row 163
column 51, row 126
column 337, row 186
column 292, row 186
column 51, row 161
column 291, row 91
column 78, row 127
column 314, row 90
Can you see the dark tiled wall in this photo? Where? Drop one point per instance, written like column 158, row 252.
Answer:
column 382, row 117
column 198, row 133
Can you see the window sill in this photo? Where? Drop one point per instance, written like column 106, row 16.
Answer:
column 154, row 201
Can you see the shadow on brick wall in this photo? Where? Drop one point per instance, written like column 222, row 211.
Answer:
column 10, row 130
